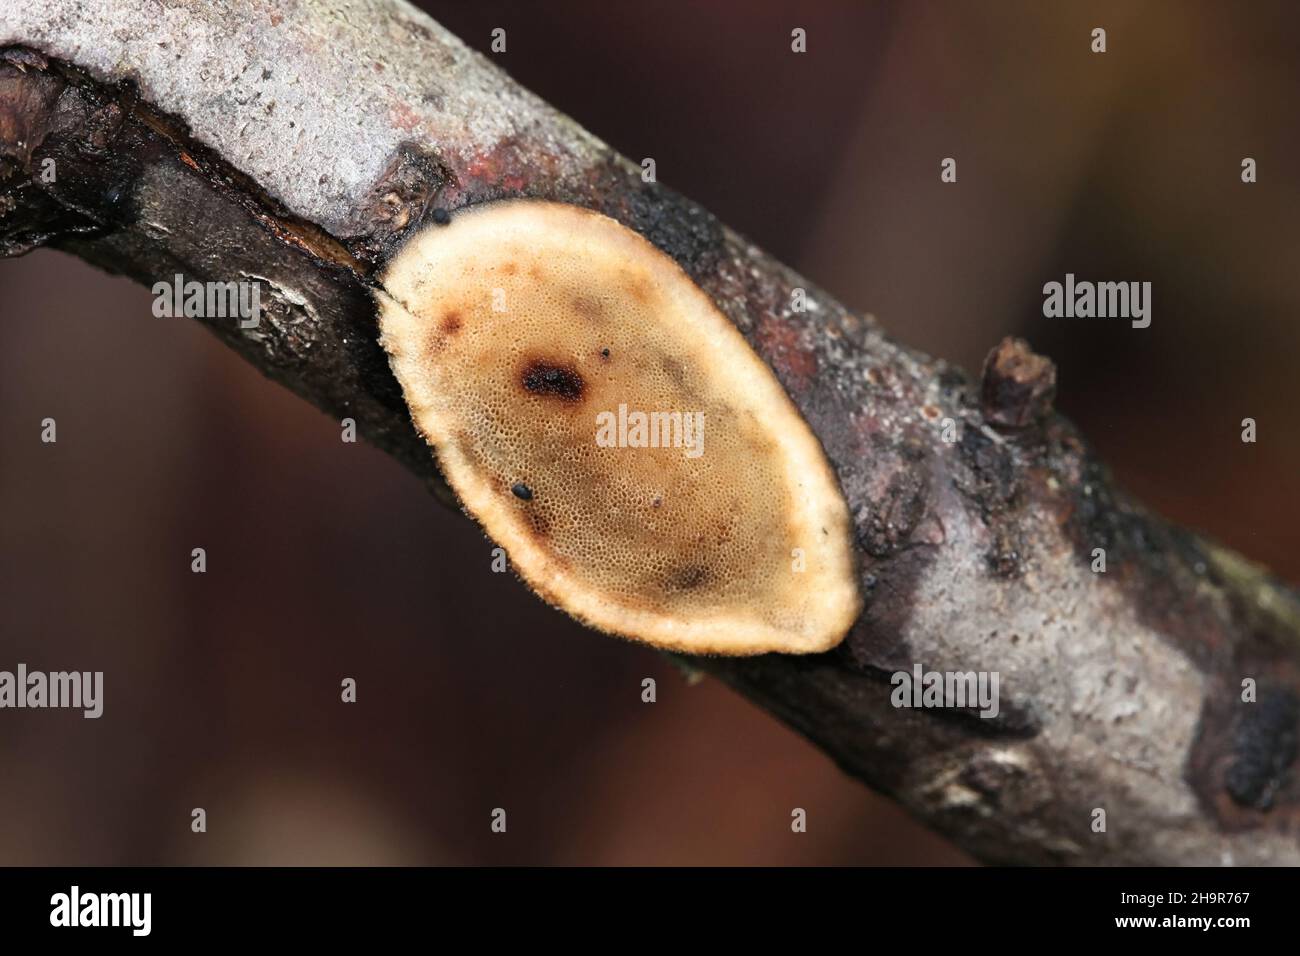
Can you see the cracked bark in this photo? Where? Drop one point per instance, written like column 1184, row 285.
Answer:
column 300, row 144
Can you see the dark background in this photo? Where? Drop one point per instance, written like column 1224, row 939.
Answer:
column 327, row 560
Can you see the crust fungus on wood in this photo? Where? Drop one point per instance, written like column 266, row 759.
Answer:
column 1198, row 775
column 611, row 429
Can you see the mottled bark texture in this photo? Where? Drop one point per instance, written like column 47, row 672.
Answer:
column 299, row 143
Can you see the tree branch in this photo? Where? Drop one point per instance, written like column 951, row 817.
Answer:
column 299, row 145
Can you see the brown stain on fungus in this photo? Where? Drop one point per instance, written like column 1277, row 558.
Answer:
column 687, row 578
column 588, row 307
column 638, row 288
column 451, row 322
column 539, row 527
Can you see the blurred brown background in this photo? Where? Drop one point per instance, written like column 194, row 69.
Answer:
column 327, row 560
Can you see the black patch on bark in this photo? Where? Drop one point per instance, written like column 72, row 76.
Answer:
column 1264, row 747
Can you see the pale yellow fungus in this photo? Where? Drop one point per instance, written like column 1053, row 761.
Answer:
column 614, row 432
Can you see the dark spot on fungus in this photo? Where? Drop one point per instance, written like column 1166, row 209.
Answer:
column 687, row 578
column 441, row 216
column 522, row 491
column 451, row 322
column 562, row 381
column 587, row 307
column 673, row 369
column 604, row 353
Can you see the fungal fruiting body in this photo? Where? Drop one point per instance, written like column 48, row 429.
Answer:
column 613, row 431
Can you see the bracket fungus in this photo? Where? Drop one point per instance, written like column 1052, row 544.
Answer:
column 567, row 374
